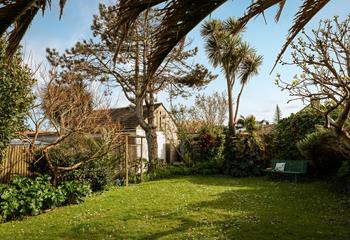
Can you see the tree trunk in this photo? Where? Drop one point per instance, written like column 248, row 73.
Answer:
column 338, row 125
column 53, row 169
column 231, row 123
column 237, row 104
column 149, row 129
column 346, row 139
column 54, row 179
column 230, row 80
column 151, row 138
column 151, row 134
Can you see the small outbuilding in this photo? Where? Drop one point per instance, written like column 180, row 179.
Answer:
column 166, row 131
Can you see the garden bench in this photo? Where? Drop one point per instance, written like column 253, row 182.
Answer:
column 291, row 167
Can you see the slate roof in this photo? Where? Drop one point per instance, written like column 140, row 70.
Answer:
column 127, row 117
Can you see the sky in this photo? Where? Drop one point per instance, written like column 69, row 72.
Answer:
column 261, row 94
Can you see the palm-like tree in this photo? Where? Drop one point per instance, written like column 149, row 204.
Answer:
column 20, row 14
column 227, row 50
column 249, row 124
column 248, row 68
column 180, row 17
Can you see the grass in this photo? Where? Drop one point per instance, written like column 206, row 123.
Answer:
column 196, row 208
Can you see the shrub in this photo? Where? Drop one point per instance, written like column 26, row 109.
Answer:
column 342, row 179
column 16, row 94
column 205, row 146
column 98, row 173
column 329, row 156
column 325, row 150
column 24, row 196
column 74, row 192
column 204, row 168
column 289, row 131
column 229, row 149
column 209, row 143
column 243, row 156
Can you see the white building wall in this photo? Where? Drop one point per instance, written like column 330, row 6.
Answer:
column 161, row 140
column 141, row 132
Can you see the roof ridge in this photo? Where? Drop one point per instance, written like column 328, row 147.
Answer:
column 117, row 108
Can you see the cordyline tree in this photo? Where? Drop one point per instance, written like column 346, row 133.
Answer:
column 19, row 14
column 250, row 125
column 69, row 108
column 235, row 57
column 179, row 17
column 96, row 59
column 324, row 58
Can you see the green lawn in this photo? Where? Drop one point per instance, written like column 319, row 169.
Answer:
column 196, row 208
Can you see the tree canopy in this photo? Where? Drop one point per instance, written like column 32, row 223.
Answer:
column 94, row 59
column 323, row 57
column 226, row 49
column 19, row 14
column 179, row 18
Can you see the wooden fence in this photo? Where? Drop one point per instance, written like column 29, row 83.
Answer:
column 15, row 162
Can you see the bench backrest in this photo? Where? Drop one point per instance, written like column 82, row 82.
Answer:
column 291, row 165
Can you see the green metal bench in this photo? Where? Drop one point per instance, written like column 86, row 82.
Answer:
column 292, row 167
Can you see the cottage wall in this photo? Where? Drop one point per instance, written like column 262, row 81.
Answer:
column 161, row 140
column 167, row 126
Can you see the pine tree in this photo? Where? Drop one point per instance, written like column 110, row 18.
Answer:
column 278, row 114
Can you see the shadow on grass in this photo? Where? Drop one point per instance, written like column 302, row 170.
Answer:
column 227, row 181
column 193, row 221
column 244, row 211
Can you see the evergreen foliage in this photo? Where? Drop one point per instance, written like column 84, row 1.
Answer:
column 325, row 150
column 244, row 155
column 288, row 131
column 24, row 196
column 16, row 97
column 278, row 114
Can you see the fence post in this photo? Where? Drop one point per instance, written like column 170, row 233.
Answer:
column 126, row 160
column 141, row 161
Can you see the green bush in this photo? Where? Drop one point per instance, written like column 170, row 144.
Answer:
column 205, row 168
column 209, row 144
column 24, row 196
column 244, row 156
column 288, row 131
column 98, row 173
column 16, row 94
column 329, row 156
column 205, row 146
column 342, row 179
column 324, row 150
column 74, row 192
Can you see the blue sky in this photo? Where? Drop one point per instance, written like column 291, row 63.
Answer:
column 260, row 96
